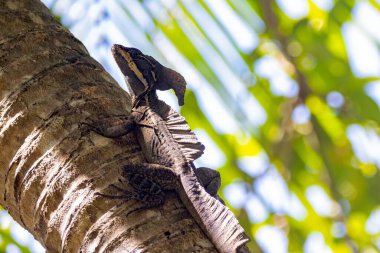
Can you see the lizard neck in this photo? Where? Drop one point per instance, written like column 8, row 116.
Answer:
column 150, row 99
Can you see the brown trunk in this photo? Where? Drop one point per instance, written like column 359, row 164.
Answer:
column 51, row 166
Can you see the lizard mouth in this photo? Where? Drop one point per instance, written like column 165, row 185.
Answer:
column 116, row 48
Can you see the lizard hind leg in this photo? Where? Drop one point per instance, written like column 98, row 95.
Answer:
column 149, row 200
column 149, row 181
column 156, row 174
column 210, row 180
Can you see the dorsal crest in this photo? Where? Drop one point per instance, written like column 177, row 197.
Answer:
column 190, row 146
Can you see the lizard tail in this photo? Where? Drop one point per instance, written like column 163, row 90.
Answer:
column 217, row 221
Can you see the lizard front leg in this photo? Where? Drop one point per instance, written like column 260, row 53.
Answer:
column 112, row 127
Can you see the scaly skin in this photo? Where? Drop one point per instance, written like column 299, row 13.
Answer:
column 163, row 152
column 166, row 146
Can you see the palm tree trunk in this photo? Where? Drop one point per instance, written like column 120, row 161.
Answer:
column 51, row 166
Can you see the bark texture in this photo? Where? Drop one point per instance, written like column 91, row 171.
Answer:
column 51, row 166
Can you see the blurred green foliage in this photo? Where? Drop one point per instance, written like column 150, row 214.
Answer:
column 314, row 156
column 317, row 152
column 7, row 242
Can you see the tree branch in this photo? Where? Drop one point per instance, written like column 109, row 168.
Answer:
column 51, row 166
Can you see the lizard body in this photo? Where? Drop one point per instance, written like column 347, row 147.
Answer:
column 169, row 148
column 215, row 219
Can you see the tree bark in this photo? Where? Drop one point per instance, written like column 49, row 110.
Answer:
column 51, row 166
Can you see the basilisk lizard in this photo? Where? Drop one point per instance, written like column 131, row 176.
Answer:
column 169, row 148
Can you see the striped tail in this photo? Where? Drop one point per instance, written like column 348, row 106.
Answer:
column 216, row 220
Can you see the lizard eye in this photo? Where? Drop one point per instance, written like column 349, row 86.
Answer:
column 146, row 72
column 133, row 54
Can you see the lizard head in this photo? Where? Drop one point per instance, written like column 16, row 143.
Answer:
column 137, row 68
column 144, row 74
